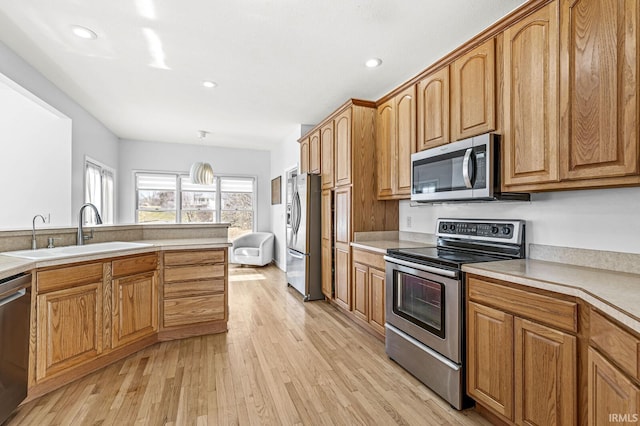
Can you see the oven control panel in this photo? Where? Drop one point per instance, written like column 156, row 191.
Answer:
column 500, row 230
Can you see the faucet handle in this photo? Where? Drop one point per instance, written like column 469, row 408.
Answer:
column 88, row 237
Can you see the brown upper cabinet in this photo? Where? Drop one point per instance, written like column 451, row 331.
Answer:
column 599, row 88
column 326, row 142
column 433, row 110
column 342, row 144
column 385, row 140
column 584, row 55
column 304, row 155
column 314, row 153
column 395, row 142
column 530, row 140
column 473, row 96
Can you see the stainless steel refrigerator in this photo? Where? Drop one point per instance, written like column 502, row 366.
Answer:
column 303, row 237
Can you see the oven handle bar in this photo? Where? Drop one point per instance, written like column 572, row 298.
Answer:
column 425, row 268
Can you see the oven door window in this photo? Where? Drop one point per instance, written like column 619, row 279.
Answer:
column 420, row 301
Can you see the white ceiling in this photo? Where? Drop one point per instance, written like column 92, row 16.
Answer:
column 278, row 63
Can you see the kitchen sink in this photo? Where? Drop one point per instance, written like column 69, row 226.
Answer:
column 69, row 251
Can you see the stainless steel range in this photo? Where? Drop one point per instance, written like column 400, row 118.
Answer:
column 425, row 321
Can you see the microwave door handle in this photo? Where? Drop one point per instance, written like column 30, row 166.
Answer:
column 467, row 174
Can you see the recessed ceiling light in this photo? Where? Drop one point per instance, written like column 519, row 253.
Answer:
column 83, row 32
column 373, row 62
column 209, row 84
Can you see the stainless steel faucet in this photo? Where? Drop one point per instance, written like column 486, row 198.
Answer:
column 33, row 230
column 80, row 237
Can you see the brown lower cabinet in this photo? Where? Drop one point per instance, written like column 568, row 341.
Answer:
column 368, row 288
column 521, row 365
column 134, row 296
column 69, row 328
column 527, row 351
column 194, row 290
column 87, row 315
column 613, row 369
column 613, row 396
column 342, row 283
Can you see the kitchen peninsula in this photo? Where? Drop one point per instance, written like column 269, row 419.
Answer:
column 90, row 310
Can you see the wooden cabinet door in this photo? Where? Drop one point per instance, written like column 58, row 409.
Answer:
column 385, row 147
column 326, row 141
column 343, row 276
column 342, row 138
column 490, row 358
column 326, row 214
column 314, row 153
column 433, row 110
column 531, row 132
column 327, row 268
column 473, row 100
column 610, row 393
column 545, row 375
column 599, row 94
column 405, row 141
column 342, row 215
column 135, row 307
column 361, row 291
column 69, row 328
column 377, row 280
column 304, row 156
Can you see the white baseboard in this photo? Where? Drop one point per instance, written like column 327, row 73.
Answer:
column 280, row 266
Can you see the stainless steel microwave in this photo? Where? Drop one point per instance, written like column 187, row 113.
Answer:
column 466, row 170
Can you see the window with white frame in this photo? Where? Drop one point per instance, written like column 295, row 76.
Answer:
column 198, row 202
column 156, row 195
column 172, row 198
column 237, row 204
column 99, row 190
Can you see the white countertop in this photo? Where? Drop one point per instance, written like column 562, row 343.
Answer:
column 381, row 246
column 614, row 293
column 12, row 265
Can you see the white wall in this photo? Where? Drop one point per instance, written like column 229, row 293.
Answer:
column 35, row 164
column 158, row 156
column 89, row 136
column 602, row 219
column 284, row 157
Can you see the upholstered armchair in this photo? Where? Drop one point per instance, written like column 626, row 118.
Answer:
column 255, row 248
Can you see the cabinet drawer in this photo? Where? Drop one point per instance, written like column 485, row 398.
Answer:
column 622, row 347
column 176, row 258
column 56, row 279
column 197, row 272
column 134, row 265
column 190, row 310
column 193, row 288
column 545, row 309
column 368, row 258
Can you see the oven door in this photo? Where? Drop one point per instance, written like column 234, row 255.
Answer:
column 425, row 305
column 456, row 171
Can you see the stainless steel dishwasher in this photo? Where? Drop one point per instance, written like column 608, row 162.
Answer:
column 15, row 310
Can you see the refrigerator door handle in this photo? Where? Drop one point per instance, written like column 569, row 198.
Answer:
column 296, row 212
column 295, row 255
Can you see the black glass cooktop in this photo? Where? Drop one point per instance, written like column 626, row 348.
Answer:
column 433, row 255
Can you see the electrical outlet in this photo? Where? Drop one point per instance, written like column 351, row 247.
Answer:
column 408, row 221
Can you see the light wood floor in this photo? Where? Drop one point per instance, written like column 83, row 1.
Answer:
column 282, row 362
